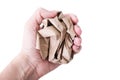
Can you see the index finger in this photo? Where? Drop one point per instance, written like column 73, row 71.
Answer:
column 73, row 18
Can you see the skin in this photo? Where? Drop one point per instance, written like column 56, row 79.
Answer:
column 28, row 65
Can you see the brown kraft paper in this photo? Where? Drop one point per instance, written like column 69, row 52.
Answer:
column 55, row 39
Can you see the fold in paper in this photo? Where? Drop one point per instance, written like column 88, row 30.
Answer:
column 55, row 39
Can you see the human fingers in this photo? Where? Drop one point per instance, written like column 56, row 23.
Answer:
column 73, row 18
column 76, row 49
column 77, row 41
column 77, row 30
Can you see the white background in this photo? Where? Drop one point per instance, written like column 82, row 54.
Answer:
column 100, row 23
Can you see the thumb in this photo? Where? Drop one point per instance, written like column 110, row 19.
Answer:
column 32, row 26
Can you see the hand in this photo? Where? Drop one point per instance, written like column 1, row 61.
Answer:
column 29, row 41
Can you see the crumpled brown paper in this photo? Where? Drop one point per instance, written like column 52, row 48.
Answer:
column 55, row 39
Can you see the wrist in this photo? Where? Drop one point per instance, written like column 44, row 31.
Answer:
column 27, row 70
column 19, row 69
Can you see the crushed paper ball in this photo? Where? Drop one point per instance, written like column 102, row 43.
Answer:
column 55, row 39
